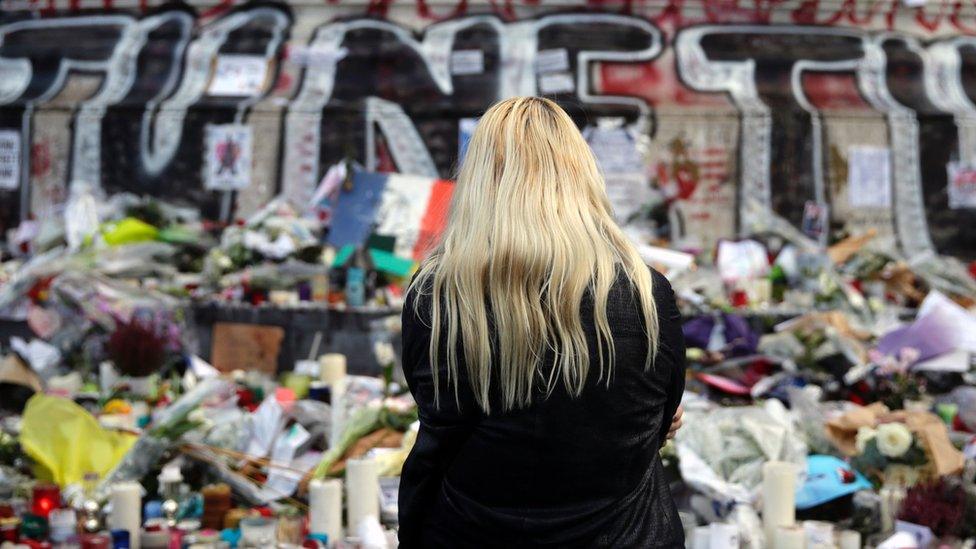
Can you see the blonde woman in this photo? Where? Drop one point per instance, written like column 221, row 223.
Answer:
column 546, row 359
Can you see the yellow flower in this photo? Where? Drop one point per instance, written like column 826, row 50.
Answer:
column 117, row 406
column 894, row 439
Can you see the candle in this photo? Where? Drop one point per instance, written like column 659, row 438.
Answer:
column 723, row 536
column 701, row 537
column 362, row 491
column 216, row 504
column 820, row 535
column 789, row 537
column 126, row 502
column 850, row 539
column 46, row 498
column 778, row 493
column 325, row 508
column 332, row 367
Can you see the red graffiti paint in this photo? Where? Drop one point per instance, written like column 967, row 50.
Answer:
column 424, row 11
column 930, row 24
column 223, row 7
column 40, row 159
column 284, row 82
column 378, row 8
column 955, row 19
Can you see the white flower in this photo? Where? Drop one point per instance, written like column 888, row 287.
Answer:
column 384, row 353
column 864, row 435
column 894, row 439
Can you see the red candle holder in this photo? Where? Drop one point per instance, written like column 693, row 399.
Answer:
column 46, row 497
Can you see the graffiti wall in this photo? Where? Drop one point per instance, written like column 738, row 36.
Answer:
column 720, row 112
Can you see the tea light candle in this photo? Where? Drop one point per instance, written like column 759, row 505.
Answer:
column 779, row 496
column 325, row 508
column 789, row 537
column 126, row 502
column 820, row 535
column 362, row 491
column 849, row 539
column 332, row 367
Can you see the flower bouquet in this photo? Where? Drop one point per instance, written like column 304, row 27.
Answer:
column 890, row 454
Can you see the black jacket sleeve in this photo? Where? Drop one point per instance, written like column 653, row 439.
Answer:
column 444, row 426
column 671, row 347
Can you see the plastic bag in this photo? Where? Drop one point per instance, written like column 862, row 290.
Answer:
column 67, row 442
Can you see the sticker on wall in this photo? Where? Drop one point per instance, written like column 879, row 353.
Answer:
column 239, row 75
column 228, row 160
column 9, row 159
column 467, row 62
column 962, row 185
column 869, row 177
column 615, row 149
column 557, row 82
column 466, row 128
column 554, row 60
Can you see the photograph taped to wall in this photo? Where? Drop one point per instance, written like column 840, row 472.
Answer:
column 228, row 157
column 9, row 159
column 962, row 185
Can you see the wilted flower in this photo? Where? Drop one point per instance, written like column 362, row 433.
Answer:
column 864, row 435
column 894, row 439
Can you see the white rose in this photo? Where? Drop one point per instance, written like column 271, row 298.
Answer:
column 864, row 435
column 384, row 353
column 894, row 439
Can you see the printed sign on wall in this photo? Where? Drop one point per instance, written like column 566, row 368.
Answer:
column 9, row 159
column 228, row 160
column 869, row 177
column 962, row 185
column 238, row 75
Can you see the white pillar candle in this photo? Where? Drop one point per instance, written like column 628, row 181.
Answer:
column 332, row 367
column 723, row 536
column 820, row 535
column 779, row 496
column 701, row 537
column 126, row 502
column 789, row 537
column 325, row 508
column 362, row 491
column 849, row 539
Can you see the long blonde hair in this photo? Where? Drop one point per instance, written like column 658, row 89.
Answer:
column 530, row 230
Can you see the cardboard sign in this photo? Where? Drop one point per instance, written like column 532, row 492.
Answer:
column 9, row 159
column 228, row 160
column 246, row 347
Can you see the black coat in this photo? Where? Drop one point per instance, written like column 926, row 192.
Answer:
column 562, row 472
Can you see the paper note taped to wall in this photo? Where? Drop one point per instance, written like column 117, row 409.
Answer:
column 467, row 62
column 237, row 75
column 962, row 185
column 9, row 159
column 246, row 347
column 869, row 177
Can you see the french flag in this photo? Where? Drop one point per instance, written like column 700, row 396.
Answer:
column 412, row 209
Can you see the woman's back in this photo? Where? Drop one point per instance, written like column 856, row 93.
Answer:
column 565, row 470
column 544, row 356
